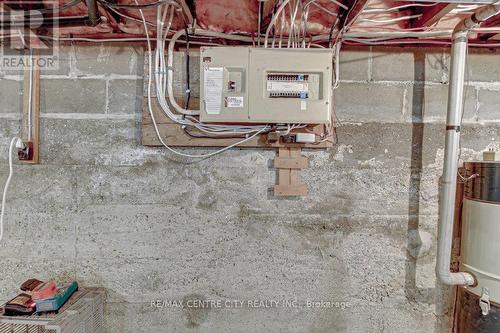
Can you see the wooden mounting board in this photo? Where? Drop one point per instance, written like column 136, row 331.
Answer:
column 175, row 136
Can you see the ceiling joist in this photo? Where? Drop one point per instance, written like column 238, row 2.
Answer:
column 432, row 15
column 494, row 22
column 352, row 14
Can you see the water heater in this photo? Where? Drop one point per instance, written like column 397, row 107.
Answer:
column 480, row 247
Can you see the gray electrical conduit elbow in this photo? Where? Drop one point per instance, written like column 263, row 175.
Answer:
column 453, row 122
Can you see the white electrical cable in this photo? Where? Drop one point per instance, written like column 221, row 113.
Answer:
column 116, row 11
column 402, row 18
column 325, row 10
column 118, row 40
column 170, row 79
column 273, row 20
column 162, row 81
column 392, row 9
column 15, row 142
column 150, row 68
column 340, row 4
column 336, row 67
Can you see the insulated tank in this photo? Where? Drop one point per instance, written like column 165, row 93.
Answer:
column 480, row 248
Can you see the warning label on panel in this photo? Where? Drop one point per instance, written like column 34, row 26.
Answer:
column 234, row 101
column 213, row 89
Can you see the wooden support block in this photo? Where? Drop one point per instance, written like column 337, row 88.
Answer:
column 289, row 163
column 284, row 176
column 295, row 151
column 290, row 190
column 295, row 177
column 284, row 152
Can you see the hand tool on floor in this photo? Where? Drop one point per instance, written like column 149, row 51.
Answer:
column 55, row 303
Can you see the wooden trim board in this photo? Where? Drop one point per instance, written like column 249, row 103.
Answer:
column 35, row 107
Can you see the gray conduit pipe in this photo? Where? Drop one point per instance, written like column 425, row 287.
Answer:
column 93, row 13
column 453, row 123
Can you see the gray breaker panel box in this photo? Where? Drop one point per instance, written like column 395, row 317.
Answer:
column 266, row 85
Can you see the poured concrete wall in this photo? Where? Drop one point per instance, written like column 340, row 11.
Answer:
column 106, row 211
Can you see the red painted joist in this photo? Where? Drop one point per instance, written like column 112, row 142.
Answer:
column 431, row 15
column 354, row 11
column 493, row 22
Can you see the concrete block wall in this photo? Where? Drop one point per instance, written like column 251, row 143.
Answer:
column 106, row 211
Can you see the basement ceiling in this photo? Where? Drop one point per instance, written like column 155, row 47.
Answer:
column 317, row 22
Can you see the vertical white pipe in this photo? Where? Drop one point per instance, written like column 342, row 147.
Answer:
column 452, row 142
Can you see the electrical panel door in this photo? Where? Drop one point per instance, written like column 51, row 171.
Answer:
column 266, row 85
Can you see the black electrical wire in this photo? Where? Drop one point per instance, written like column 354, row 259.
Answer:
column 336, row 136
column 275, row 8
column 117, row 5
column 332, row 29
column 261, row 14
column 188, row 78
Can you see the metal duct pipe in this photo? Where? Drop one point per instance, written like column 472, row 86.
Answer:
column 453, row 123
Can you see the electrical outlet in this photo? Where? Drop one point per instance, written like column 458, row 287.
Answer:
column 26, row 153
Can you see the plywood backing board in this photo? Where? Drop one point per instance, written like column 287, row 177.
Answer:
column 174, row 135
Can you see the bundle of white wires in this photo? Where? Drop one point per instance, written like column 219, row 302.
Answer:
column 163, row 79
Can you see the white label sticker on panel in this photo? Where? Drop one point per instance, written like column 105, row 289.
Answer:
column 213, row 81
column 234, row 101
column 281, row 86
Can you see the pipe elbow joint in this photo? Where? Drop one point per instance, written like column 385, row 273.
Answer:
column 463, row 28
column 460, row 278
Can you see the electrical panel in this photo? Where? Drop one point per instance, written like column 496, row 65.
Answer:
column 266, row 85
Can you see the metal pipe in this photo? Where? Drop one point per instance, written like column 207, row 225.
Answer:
column 93, row 13
column 452, row 142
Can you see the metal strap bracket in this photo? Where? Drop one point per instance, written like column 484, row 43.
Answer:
column 455, row 128
column 484, row 301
